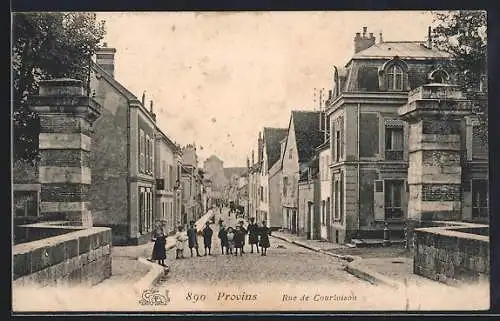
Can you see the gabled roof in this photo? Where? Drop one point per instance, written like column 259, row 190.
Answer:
column 402, row 49
column 272, row 141
column 307, row 134
column 113, row 82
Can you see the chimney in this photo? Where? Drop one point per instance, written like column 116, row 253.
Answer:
column 364, row 42
column 429, row 37
column 151, row 106
column 248, row 162
column 381, row 40
column 143, row 98
column 329, row 94
column 260, row 151
column 105, row 58
column 253, row 158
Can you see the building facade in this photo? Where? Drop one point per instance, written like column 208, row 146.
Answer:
column 271, row 150
column 168, row 161
column 122, row 160
column 302, row 138
column 369, row 142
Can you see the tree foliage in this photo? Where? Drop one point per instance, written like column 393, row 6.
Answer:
column 46, row 46
column 463, row 34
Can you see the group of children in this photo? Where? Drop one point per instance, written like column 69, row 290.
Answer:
column 232, row 240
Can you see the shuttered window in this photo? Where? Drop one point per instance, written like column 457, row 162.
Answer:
column 141, row 151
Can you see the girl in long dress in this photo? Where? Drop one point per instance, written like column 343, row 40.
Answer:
column 180, row 241
column 264, row 238
column 159, row 251
column 253, row 235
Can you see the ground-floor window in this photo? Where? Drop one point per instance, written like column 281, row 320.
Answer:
column 393, row 196
column 479, row 199
column 145, row 209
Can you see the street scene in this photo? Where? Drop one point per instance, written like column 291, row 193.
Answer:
column 232, row 161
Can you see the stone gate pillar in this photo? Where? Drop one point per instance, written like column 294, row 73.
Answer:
column 434, row 113
column 66, row 116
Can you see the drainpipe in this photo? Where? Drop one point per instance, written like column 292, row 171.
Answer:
column 358, row 142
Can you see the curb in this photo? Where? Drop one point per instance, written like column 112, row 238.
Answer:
column 153, row 276
column 353, row 266
column 370, row 276
column 348, row 258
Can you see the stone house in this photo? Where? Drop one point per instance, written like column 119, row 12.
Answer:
column 302, row 138
column 324, row 175
column 369, row 142
column 168, row 159
column 254, row 188
column 269, row 206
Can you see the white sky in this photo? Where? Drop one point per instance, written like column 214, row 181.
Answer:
column 217, row 79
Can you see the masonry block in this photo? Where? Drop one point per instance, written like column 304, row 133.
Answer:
column 83, row 244
column 22, row 265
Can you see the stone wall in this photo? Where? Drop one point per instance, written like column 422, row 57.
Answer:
column 80, row 257
column 452, row 253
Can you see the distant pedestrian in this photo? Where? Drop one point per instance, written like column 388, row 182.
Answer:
column 207, row 238
column 192, row 234
column 230, row 240
column 180, row 241
column 223, row 238
column 159, row 251
column 239, row 238
column 253, row 235
column 264, row 238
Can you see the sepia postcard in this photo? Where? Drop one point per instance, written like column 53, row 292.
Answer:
column 262, row 161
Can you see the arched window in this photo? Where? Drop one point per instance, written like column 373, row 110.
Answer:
column 393, row 75
column 395, row 78
column 439, row 76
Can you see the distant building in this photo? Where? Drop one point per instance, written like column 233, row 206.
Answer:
column 270, row 203
column 168, row 159
column 303, row 137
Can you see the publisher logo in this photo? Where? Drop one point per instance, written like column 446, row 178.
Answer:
column 154, row 297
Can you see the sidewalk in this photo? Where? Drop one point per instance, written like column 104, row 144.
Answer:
column 391, row 266
column 126, row 266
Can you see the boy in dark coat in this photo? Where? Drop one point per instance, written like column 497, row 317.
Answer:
column 244, row 231
column 253, row 235
column 223, row 239
column 239, row 239
column 193, row 238
column 207, row 238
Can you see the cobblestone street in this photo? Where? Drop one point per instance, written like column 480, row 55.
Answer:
column 284, row 262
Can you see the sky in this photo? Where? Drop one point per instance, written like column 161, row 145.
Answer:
column 218, row 78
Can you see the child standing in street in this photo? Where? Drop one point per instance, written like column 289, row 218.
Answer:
column 239, row 238
column 180, row 241
column 230, row 240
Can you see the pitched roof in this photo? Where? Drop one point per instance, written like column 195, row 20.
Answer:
column 307, row 134
column 113, row 82
column 402, row 49
column 272, row 140
column 230, row 171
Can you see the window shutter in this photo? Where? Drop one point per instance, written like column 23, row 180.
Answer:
column 378, row 200
column 141, row 151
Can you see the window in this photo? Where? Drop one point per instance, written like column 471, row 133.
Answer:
column 336, row 200
column 141, row 209
column 163, row 210
column 323, row 212
column 171, row 181
column 142, row 151
column 394, row 143
column 146, row 143
column 393, row 199
column 285, row 185
column 395, row 78
column 290, row 153
column 337, row 145
column 479, row 199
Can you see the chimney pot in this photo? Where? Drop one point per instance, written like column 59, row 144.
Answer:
column 371, row 35
column 358, row 34
column 364, row 31
column 381, row 40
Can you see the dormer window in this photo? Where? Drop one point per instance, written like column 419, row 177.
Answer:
column 439, row 76
column 393, row 75
column 395, row 78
